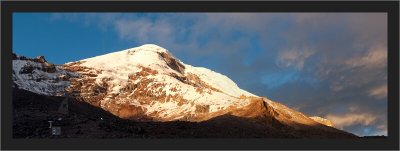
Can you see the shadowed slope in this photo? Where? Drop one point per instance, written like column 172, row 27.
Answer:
column 32, row 111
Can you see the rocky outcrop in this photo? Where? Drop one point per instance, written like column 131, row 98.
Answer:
column 44, row 65
column 172, row 62
column 40, row 59
column 39, row 76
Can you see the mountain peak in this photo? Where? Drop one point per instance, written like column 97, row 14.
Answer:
column 148, row 55
column 149, row 47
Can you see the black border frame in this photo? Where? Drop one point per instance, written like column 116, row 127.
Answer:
column 389, row 7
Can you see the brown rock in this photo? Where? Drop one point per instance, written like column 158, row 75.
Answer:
column 40, row 59
column 49, row 67
column 202, row 108
column 27, row 69
column 172, row 62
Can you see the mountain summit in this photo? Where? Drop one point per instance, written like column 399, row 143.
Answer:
column 149, row 84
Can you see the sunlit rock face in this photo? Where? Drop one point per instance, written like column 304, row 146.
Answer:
column 322, row 121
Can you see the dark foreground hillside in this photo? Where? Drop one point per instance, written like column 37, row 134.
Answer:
column 32, row 112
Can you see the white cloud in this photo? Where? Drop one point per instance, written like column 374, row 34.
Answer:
column 350, row 119
column 379, row 92
column 144, row 30
column 294, row 57
column 375, row 58
column 101, row 20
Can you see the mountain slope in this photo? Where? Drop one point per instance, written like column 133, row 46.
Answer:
column 149, row 84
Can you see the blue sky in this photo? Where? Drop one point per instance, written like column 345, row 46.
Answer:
column 331, row 65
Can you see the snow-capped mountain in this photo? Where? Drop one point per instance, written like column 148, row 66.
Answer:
column 159, row 86
column 148, row 83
